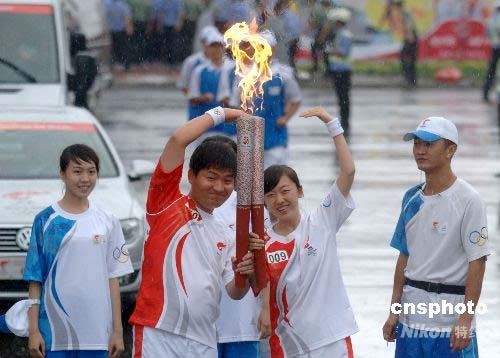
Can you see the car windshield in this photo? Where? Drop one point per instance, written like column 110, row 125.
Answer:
column 28, row 48
column 31, row 150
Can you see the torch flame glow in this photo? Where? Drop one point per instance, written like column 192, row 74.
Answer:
column 252, row 54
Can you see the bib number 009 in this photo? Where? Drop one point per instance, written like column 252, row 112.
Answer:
column 277, row 256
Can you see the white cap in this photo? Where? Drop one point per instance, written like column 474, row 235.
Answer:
column 339, row 14
column 269, row 37
column 207, row 32
column 434, row 128
column 214, row 38
column 16, row 317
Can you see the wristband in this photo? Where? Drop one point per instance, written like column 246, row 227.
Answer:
column 334, row 127
column 217, row 115
column 34, row 302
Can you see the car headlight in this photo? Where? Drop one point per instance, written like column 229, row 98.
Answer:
column 132, row 229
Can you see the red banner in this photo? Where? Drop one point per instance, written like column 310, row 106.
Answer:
column 461, row 39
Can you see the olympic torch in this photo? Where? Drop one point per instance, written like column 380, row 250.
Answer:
column 250, row 187
column 245, row 136
column 252, row 53
column 258, row 199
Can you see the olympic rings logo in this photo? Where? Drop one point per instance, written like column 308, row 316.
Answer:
column 121, row 254
column 479, row 238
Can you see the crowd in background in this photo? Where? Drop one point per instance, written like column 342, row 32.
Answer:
column 169, row 32
column 166, row 31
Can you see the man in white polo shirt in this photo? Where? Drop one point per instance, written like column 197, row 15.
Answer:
column 442, row 238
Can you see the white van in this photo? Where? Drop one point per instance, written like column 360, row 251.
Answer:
column 35, row 63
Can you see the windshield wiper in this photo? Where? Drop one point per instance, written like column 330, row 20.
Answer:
column 19, row 71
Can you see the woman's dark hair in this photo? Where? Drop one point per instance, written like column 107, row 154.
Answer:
column 273, row 174
column 222, row 139
column 213, row 154
column 78, row 153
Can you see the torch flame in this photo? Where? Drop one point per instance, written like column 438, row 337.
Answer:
column 252, row 53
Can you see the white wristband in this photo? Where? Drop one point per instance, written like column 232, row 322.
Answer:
column 34, row 301
column 334, row 127
column 217, row 115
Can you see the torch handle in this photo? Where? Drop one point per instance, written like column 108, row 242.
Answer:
column 242, row 225
column 259, row 255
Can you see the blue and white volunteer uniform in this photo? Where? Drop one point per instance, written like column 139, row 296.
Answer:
column 441, row 234
column 205, row 79
column 280, row 91
column 74, row 256
column 184, row 80
column 226, row 86
column 237, row 333
column 190, row 64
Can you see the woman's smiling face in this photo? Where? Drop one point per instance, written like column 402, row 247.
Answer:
column 283, row 200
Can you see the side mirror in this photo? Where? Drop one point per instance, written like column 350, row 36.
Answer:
column 141, row 169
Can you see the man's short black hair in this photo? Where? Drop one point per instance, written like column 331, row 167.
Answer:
column 78, row 153
column 222, row 139
column 213, row 155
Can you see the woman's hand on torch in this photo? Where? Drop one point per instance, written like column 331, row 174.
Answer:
column 319, row 112
column 255, row 243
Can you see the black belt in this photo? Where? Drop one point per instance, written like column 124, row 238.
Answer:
column 436, row 287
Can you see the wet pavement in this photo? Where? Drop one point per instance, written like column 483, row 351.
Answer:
column 140, row 119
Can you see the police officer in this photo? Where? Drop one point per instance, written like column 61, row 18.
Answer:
column 339, row 62
column 494, row 33
column 120, row 22
column 400, row 19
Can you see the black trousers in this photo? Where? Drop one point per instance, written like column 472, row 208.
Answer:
column 342, row 84
column 317, row 49
column 409, row 54
column 492, row 70
column 293, row 47
column 156, row 45
column 188, row 32
column 172, row 45
column 121, row 48
column 140, row 42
